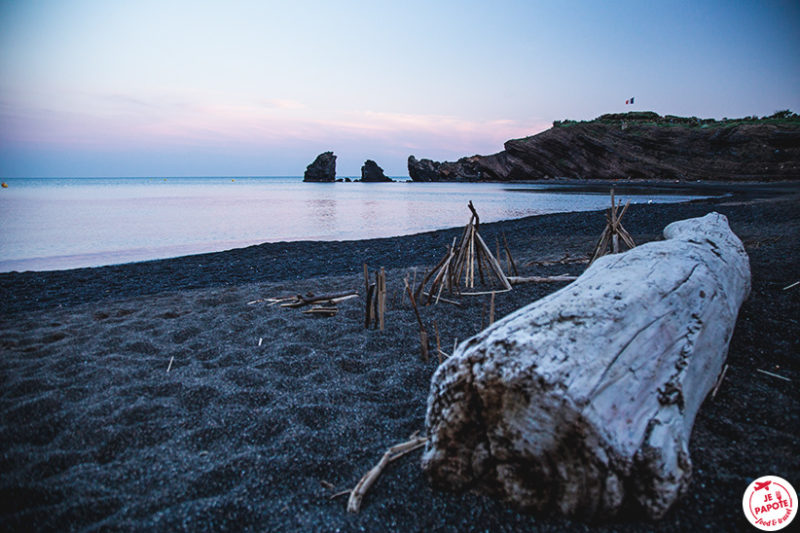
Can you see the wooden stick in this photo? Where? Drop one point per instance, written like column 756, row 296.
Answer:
column 795, row 284
column 382, row 298
column 626, row 237
column 484, row 293
column 516, row 280
column 493, row 263
column 423, row 335
column 441, row 283
column 301, row 300
column 462, row 253
column 438, row 344
column 171, row 359
column 512, row 266
column 719, row 382
column 341, row 299
column 491, row 310
column 470, row 282
column 442, row 272
column 613, row 210
column 773, row 375
column 392, row 454
column 366, row 278
column 624, row 209
column 327, row 311
column 479, row 258
column 443, row 299
column 368, row 310
column 475, row 214
column 425, row 279
column 602, row 245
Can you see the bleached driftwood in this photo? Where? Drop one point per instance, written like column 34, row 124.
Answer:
column 585, row 399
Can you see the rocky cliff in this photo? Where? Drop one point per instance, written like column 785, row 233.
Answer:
column 639, row 145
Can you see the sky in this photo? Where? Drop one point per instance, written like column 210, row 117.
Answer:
column 259, row 88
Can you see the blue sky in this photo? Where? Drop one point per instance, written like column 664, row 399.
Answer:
column 183, row 88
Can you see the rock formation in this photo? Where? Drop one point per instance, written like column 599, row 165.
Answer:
column 322, row 169
column 372, row 172
column 583, row 402
column 423, row 169
column 639, row 145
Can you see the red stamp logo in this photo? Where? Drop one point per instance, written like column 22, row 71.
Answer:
column 770, row 503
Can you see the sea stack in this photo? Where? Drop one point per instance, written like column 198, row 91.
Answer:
column 322, row 169
column 372, row 172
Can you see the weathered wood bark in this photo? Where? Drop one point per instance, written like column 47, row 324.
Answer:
column 585, row 399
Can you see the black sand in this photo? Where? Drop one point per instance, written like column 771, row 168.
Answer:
column 96, row 435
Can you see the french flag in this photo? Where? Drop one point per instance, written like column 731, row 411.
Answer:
column 630, row 101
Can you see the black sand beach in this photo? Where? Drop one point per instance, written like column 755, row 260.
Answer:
column 95, row 434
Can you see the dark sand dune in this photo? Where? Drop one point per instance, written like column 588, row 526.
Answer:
column 95, row 434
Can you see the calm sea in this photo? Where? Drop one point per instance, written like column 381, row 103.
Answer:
column 50, row 224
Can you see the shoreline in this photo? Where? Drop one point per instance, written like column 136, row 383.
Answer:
column 318, row 213
column 241, row 434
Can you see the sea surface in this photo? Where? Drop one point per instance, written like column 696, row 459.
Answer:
column 55, row 223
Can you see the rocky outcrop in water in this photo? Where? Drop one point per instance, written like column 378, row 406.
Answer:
column 322, row 169
column 639, row 145
column 372, row 172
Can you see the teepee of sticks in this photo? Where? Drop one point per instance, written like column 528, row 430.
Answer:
column 609, row 240
column 459, row 267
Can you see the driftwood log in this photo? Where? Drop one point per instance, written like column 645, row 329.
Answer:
column 584, row 401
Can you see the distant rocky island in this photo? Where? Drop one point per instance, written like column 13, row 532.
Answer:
column 323, row 169
column 638, row 146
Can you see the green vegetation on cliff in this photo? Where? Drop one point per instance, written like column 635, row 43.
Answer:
column 649, row 118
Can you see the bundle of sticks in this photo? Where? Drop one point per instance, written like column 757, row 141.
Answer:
column 613, row 232
column 459, row 265
column 322, row 305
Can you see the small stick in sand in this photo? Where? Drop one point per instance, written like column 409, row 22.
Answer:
column 423, row 335
column 171, row 359
column 438, row 344
column 484, row 293
column 381, row 297
column 515, row 280
column 719, row 382
column 443, row 299
column 260, row 340
column 773, row 375
column 322, row 311
column 491, row 310
column 510, row 266
column 392, row 454
column 795, row 284
column 369, row 306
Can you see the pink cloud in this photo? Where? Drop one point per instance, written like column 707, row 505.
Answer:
column 118, row 121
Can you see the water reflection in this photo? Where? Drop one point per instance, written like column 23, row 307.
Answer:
column 322, row 212
column 105, row 221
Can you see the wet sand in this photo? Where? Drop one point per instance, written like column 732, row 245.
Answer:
column 95, row 434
